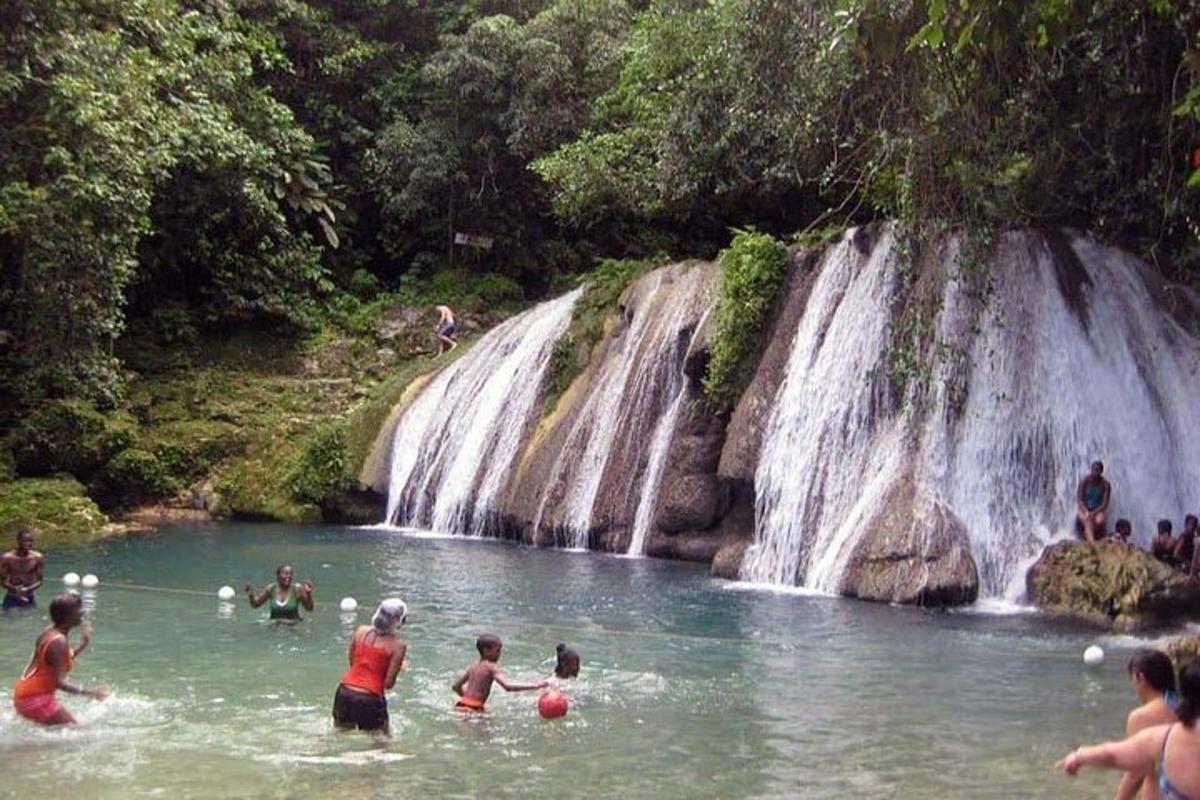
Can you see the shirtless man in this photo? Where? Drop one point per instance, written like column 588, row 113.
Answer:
column 475, row 685
column 445, row 330
column 1093, row 496
column 21, row 572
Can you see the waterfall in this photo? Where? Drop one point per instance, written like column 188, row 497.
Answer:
column 458, row 440
column 632, row 393
column 660, row 445
column 1068, row 360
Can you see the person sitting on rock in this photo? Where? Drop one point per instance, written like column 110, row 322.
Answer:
column 1185, row 544
column 1122, row 532
column 1093, row 496
column 1163, row 546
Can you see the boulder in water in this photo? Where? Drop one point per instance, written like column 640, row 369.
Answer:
column 1111, row 585
column 915, row 551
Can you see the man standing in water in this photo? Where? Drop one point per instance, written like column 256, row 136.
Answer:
column 21, row 572
column 1093, row 496
column 445, row 330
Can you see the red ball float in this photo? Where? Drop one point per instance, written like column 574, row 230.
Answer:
column 552, row 704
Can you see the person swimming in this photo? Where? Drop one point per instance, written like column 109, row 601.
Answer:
column 286, row 599
column 21, row 572
column 1153, row 679
column 1171, row 750
column 566, row 662
column 475, row 685
column 377, row 655
column 446, row 329
column 35, row 694
column 1093, row 496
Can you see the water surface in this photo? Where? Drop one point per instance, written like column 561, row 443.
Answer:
column 689, row 689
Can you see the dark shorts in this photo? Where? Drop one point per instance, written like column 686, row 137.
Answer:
column 12, row 601
column 367, row 712
column 446, row 330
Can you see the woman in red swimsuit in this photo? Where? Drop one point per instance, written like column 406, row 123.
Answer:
column 376, row 658
column 34, row 695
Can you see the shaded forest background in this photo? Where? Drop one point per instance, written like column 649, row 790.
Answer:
column 172, row 167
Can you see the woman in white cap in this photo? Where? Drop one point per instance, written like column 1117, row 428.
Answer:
column 377, row 654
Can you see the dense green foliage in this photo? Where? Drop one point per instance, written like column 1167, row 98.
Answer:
column 753, row 269
column 177, row 173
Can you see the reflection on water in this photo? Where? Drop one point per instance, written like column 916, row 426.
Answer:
column 689, row 688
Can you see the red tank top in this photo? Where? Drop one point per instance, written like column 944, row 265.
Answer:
column 369, row 667
column 39, row 676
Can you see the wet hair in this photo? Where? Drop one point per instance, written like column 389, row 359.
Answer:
column 1155, row 667
column 486, row 642
column 564, row 656
column 63, row 606
column 1124, row 525
column 1164, row 526
column 1098, row 464
column 1189, row 693
column 1190, row 519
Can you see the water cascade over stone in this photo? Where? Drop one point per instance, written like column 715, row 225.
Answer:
column 606, row 444
column 457, row 441
column 1064, row 356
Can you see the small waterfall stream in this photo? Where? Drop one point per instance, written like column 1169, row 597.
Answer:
column 457, row 442
column 1056, row 371
column 637, row 386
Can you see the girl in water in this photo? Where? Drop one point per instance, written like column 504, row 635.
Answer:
column 566, row 663
column 1171, row 751
column 1153, row 678
column 285, row 598
column 377, row 654
column 34, row 696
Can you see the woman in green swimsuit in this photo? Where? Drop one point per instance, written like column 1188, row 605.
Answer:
column 286, row 598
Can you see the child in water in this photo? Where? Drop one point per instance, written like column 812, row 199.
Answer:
column 475, row 685
column 566, row 663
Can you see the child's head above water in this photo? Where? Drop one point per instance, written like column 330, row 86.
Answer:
column 489, row 646
column 567, row 663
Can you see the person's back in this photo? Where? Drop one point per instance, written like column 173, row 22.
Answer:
column 475, row 685
column 1179, row 763
column 376, row 655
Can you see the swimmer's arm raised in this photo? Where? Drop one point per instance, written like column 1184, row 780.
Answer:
column 258, row 600
column 509, row 686
column 86, row 630
column 306, row 598
column 397, row 664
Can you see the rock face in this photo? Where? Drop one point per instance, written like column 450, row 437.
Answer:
column 1112, row 585
column 915, row 552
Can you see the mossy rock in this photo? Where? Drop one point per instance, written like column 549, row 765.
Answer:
column 257, row 489
column 188, row 449
column 138, row 474
column 57, row 507
column 70, row 436
column 1113, row 585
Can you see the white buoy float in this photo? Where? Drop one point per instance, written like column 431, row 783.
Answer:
column 349, row 604
column 226, row 593
column 90, row 581
column 1093, row 656
column 71, row 579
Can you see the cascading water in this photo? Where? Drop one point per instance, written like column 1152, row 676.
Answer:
column 458, row 440
column 660, row 445
column 1054, row 371
column 631, row 395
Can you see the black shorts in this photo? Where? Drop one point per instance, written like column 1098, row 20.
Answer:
column 446, row 330
column 367, row 712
